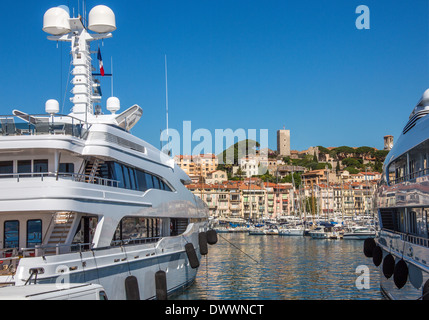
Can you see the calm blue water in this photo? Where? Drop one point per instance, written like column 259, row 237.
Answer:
column 286, row 268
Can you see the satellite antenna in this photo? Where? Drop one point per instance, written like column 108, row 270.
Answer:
column 101, row 21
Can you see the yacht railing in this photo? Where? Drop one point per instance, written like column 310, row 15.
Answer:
column 76, row 177
column 421, row 241
column 34, row 125
column 411, row 176
column 14, row 254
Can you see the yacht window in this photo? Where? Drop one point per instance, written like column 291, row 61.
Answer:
column 149, row 181
column 40, row 166
column 138, row 229
column 133, row 179
column 24, row 166
column 162, row 185
column 126, row 175
column 119, row 175
column 107, row 171
column 156, row 183
column 412, row 222
column 34, row 233
column 66, row 168
column 11, row 234
column 141, row 181
column 6, row 167
column 85, row 231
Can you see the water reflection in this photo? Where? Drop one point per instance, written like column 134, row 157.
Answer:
column 289, row 268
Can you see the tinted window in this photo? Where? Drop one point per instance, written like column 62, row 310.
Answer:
column 149, row 181
column 66, row 168
column 6, row 167
column 119, row 175
column 133, row 179
column 40, row 166
column 34, row 233
column 141, row 181
column 24, row 166
column 11, row 234
column 156, row 183
column 126, row 174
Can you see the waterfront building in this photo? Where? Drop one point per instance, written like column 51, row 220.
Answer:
column 216, row 177
column 314, row 177
column 348, row 200
column 197, row 166
column 338, row 201
column 255, row 199
column 205, row 163
column 253, row 202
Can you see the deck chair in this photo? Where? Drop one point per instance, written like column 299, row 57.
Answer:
column 42, row 126
column 8, row 126
column 68, row 129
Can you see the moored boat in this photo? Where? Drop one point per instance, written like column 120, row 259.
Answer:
column 401, row 246
column 359, row 233
column 82, row 199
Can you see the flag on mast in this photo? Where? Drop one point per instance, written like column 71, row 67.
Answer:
column 100, row 59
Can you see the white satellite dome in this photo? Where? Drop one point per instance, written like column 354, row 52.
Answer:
column 56, row 21
column 113, row 104
column 101, row 19
column 52, row 106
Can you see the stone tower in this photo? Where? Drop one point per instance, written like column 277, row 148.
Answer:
column 283, row 142
column 388, row 143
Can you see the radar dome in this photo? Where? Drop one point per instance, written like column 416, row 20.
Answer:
column 52, row 106
column 113, row 105
column 101, row 19
column 56, row 21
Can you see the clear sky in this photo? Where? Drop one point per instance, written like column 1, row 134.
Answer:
column 248, row 64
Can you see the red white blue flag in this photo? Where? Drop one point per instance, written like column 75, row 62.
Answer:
column 100, row 59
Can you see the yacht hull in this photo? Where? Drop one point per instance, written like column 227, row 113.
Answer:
column 358, row 236
column 111, row 267
column 410, row 291
column 292, row 232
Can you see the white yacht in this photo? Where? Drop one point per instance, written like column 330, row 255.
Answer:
column 359, row 233
column 320, row 232
column 401, row 247
column 84, row 201
column 291, row 231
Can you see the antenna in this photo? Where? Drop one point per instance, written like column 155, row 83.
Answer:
column 166, row 93
column 112, row 74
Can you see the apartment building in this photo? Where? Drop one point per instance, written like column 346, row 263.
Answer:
column 245, row 200
column 197, row 166
column 216, row 177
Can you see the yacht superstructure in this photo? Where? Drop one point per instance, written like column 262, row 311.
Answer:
column 82, row 200
column 401, row 247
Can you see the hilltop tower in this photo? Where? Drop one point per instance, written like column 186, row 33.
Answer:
column 388, row 143
column 283, row 142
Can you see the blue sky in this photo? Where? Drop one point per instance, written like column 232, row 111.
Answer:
column 248, row 64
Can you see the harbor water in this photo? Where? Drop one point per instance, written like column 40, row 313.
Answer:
column 250, row 267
